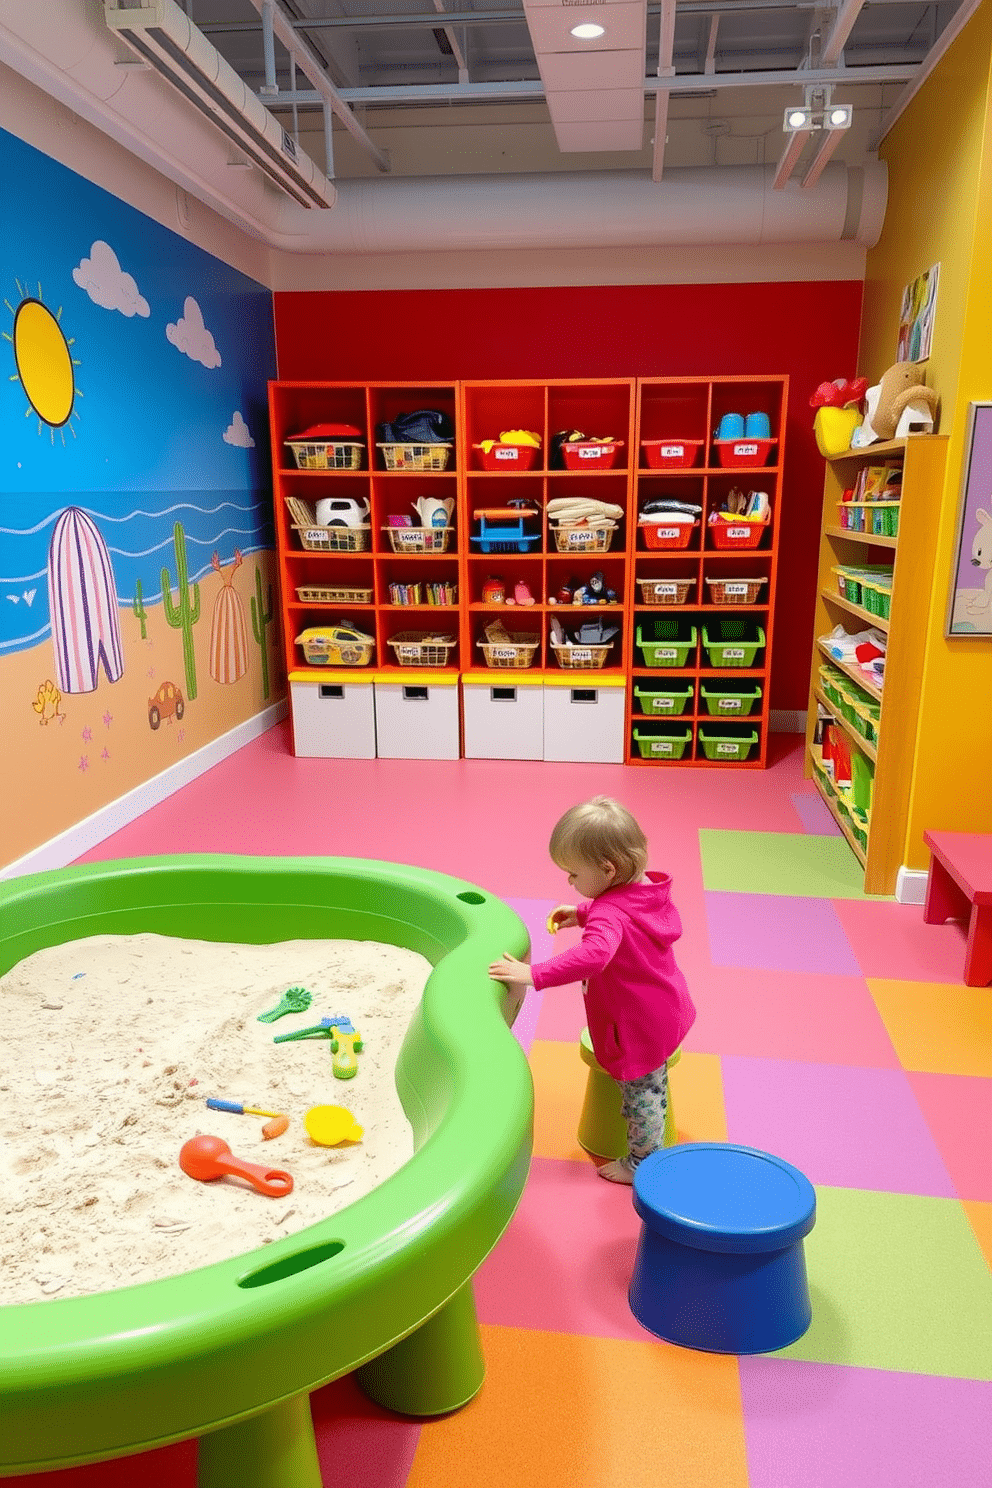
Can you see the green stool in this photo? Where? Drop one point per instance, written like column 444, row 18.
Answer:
column 602, row 1130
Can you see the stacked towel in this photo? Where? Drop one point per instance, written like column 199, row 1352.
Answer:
column 570, row 510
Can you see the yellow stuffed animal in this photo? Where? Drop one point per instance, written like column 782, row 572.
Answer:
column 899, row 405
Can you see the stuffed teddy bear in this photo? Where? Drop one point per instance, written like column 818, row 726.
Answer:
column 899, row 405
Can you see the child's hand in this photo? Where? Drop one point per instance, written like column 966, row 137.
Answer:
column 562, row 918
column 510, row 970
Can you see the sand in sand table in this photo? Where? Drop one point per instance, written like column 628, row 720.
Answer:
column 111, row 1046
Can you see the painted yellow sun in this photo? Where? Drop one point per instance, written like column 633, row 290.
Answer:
column 44, row 363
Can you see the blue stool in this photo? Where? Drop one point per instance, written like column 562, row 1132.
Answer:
column 720, row 1263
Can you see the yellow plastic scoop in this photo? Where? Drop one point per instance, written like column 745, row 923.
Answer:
column 329, row 1125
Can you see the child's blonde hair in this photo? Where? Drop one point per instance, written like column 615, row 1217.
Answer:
column 600, row 831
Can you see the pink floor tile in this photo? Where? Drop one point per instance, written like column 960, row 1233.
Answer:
column 816, row 818
column 565, row 1262
column 358, row 1442
column 891, row 940
column 958, row 1111
column 788, row 1015
column 777, row 932
column 826, row 1426
column 842, row 1126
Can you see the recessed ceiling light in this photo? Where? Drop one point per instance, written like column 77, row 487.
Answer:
column 588, row 31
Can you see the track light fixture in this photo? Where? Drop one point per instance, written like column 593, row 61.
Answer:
column 817, row 117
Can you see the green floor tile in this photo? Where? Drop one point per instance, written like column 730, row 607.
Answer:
column 808, row 867
column 897, row 1282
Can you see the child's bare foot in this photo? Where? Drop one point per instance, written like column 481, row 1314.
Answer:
column 616, row 1172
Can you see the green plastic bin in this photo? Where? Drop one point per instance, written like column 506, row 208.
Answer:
column 729, row 747
column 662, row 746
column 666, row 642
column 733, row 643
column 730, row 699
column 672, row 699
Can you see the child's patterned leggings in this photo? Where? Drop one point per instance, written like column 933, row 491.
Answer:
column 644, row 1105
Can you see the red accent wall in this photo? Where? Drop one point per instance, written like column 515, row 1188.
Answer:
column 808, row 330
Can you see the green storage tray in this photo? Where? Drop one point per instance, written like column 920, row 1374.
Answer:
column 734, row 644
column 666, row 642
column 668, row 700
column 729, row 699
column 727, row 746
column 662, row 746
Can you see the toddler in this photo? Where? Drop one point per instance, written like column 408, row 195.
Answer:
column 638, row 1006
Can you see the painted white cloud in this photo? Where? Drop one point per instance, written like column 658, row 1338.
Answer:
column 106, row 283
column 238, row 433
column 190, row 336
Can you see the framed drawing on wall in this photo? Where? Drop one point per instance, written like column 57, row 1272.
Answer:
column 969, row 610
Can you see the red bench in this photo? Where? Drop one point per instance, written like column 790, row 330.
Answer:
column 959, row 886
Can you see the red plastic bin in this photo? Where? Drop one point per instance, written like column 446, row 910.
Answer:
column 508, row 456
column 586, row 454
column 743, row 454
column 657, row 536
column 671, row 454
column 737, row 534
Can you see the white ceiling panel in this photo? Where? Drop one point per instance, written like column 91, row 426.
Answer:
column 586, row 106
column 598, row 137
column 564, row 70
column 625, row 25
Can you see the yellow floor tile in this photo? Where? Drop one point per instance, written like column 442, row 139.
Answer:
column 942, row 1028
column 590, row 1413
column 980, row 1218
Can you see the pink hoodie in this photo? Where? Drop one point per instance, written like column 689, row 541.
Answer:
column 637, row 1003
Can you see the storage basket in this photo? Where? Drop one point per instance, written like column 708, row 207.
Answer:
column 666, row 643
column 323, row 646
column 670, row 700
column 584, row 539
column 516, row 651
column 720, row 746
column 326, row 454
column 415, row 456
column 588, row 454
column 336, row 594
column 661, row 746
column 508, row 457
column 735, row 591
column 729, row 699
column 734, row 643
column 876, row 597
column 658, row 536
column 848, row 585
column 421, row 648
column 879, row 518
column 743, row 454
column 729, row 535
column 580, row 658
column 419, row 539
column 665, row 591
column 325, row 539
column 671, row 454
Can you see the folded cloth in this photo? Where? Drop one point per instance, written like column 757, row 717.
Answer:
column 670, row 518
column 573, row 508
column 669, row 504
column 424, row 426
column 844, row 646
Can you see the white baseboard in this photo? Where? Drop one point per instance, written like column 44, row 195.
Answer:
column 75, row 841
column 787, row 720
column 911, row 885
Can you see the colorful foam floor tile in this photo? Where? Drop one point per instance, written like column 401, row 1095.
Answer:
column 940, row 1027
column 789, row 863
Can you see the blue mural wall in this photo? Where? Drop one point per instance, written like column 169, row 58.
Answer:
column 134, row 455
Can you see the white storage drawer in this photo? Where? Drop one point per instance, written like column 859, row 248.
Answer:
column 584, row 719
column 333, row 716
column 417, row 719
column 504, row 716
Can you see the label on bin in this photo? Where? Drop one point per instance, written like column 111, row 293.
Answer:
column 590, row 454
column 662, row 746
column 738, row 533
column 663, row 589
column 745, row 449
column 727, row 748
column 666, row 653
column 732, row 588
column 729, row 705
column 579, row 536
column 672, row 451
column 668, row 534
column 503, row 653
column 580, row 653
column 507, row 454
column 663, row 704
column 318, row 534
column 733, row 653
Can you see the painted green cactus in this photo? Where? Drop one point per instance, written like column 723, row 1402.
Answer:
column 184, row 614
column 140, row 613
column 261, row 618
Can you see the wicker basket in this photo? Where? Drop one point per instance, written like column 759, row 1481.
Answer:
column 735, row 591
column 665, row 591
column 580, row 658
column 421, row 648
column 342, row 594
column 584, row 539
column 323, row 454
column 419, row 539
column 317, row 539
column 515, row 651
column 416, row 456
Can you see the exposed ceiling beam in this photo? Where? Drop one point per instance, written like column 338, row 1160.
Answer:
column 709, row 64
column 847, row 13
column 919, row 75
column 666, row 48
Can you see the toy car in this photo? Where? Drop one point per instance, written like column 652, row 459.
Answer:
column 336, row 645
column 167, row 703
column 341, row 511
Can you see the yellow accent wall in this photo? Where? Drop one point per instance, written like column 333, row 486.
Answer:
column 939, row 157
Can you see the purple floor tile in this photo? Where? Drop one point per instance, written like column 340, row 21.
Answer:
column 534, row 913
column 813, row 814
column 842, row 1126
column 777, row 933
column 827, row 1426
